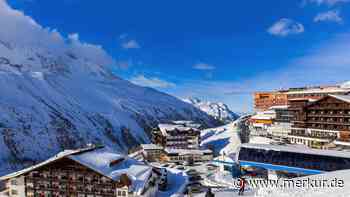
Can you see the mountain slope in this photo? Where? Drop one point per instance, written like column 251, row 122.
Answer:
column 223, row 140
column 345, row 84
column 56, row 93
column 219, row 110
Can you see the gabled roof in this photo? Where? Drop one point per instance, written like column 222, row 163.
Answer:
column 345, row 98
column 103, row 161
column 324, row 90
column 164, row 128
column 58, row 156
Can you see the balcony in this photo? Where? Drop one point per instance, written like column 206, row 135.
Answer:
column 314, row 135
column 328, row 122
column 329, row 115
column 342, row 142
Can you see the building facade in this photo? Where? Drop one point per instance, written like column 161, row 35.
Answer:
column 281, row 126
column 264, row 100
column 316, row 92
column 319, row 123
column 261, row 122
column 87, row 173
column 176, row 136
column 182, row 155
column 152, row 152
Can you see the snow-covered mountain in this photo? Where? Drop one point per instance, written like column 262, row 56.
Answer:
column 345, row 84
column 56, row 93
column 218, row 110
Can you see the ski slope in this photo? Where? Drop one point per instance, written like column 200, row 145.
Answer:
column 224, row 139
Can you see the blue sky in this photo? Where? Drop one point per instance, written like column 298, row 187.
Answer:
column 214, row 50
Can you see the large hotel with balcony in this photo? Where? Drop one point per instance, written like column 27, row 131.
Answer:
column 177, row 135
column 321, row 123
column 265, row 100
column 92, row 172
column 319, row 117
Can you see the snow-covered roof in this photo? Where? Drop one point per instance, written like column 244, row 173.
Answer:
column 320, row 90
column 103, row 161
column 187, row 151
column 56, row 157
column 263, row 117
column 279, row 107
column 303, row 99
column 151, row 147
column 345, row 98
column 187, row 123
column 298, row 149
column 164, row 128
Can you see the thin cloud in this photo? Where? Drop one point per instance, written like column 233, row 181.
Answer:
column 22, row 30
column 285, row 27
column 329, row 16
column 325, row 2
column 131, row 44
column 123, row 36
column 327, row 63
column 152, row 82
column 203, row 66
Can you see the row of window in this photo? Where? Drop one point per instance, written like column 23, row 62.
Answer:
column 330, row 112
column 322, row 119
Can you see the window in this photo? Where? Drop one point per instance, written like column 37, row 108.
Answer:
column 14, row 192
column 121, row 193
column 14, row 182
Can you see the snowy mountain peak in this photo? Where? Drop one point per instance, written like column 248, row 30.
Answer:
column 57, row 93
column 218, row 110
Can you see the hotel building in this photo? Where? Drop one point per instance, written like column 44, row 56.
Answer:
column 92, row 172
column 321, row 123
